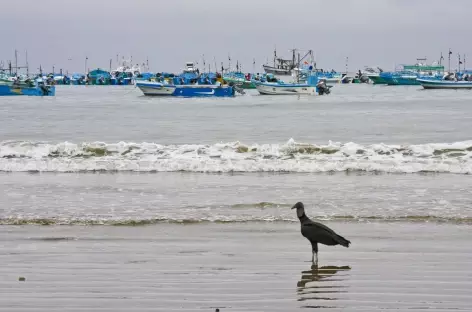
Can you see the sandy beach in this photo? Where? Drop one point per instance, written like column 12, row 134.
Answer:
column 235, row 267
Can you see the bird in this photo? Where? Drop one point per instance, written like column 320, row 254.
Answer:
column 316, row 233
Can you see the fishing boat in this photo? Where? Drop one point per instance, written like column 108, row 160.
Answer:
column 374, row 75
column 448, row 81
column 240, row 79
column 281, row 67
column 99, row 77
column 400, row 78
column 78, row 79
column 408, row 74
column 196, row 90
column 27, row 87
column 190, row 83
column 275, row 86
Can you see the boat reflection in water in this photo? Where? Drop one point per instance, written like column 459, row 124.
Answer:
column 322, row 284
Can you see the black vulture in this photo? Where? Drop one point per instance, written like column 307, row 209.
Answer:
column 317, row 233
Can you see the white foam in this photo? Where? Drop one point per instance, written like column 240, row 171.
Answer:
column 235, row 156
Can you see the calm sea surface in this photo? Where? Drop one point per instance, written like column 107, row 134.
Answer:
column 112, row 201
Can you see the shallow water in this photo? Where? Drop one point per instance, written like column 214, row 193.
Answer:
column 115, row 201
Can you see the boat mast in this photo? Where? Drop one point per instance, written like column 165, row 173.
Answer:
column 449, row 60
column 298, row 72
column 27, row 64
column 275, row 54
column 459, row 62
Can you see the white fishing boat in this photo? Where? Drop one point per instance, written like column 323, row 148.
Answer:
column 274, row 86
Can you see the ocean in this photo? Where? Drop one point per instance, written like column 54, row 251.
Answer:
column 112, row 201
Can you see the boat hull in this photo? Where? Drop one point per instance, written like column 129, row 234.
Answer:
column 377, row 80
column 159, row 89
column 444, row 84
column 402, row 81
column 279, row 89
column 6, row 90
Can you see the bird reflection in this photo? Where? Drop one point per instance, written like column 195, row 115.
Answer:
column 322, row 283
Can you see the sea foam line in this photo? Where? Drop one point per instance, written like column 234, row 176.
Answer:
column 18, row 156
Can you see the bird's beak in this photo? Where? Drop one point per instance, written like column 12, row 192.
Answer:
column 293, row 207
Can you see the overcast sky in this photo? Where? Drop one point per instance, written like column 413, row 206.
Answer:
column 169, row 33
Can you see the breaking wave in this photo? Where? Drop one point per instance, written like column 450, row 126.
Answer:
column 226, row 219
column 23, row 156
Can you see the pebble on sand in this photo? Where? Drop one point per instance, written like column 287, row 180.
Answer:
column 21, row 279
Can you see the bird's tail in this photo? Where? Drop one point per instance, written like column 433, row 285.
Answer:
column 342, row 241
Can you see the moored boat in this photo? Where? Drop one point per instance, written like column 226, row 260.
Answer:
column 29, row 88
column 448, row 81
column 274, row 86
column 240, row 79
column 99, row 77
column 408, row 75
column 190, row 83
column 281, row 67
column 193, row 90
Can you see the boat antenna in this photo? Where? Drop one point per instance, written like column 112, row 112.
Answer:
column 298, row 72
column 254, row 65
column 110, row 65
column 464, row 63
column 275, row 54
column 16, row 63
column 459, row 65
column 347, row 62
column 440, row 59
column 204, row 64
column 214, row 61
column 27, row 65
column 449, row 60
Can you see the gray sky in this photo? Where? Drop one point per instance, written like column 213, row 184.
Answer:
column 169, row 33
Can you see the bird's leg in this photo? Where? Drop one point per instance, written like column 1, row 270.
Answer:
column 314, row 257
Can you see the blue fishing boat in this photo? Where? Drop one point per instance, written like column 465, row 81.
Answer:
column 190, row 83
column 449, row 81
column 78, row 79
column 28, row 87
column 408, row 74
column 99, row 77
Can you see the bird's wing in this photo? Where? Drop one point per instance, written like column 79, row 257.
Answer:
column 318, row 232
column 320, row 226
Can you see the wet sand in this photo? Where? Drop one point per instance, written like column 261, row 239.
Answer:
column 235, row 267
